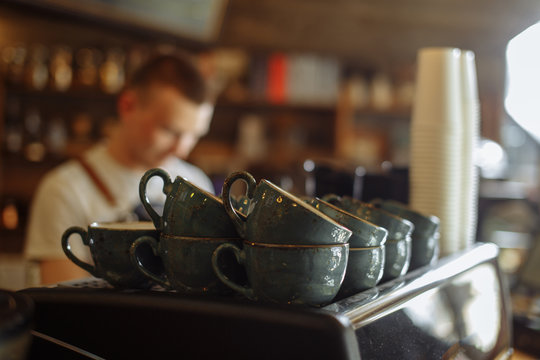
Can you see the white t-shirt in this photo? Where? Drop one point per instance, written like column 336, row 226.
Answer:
column 67, row 197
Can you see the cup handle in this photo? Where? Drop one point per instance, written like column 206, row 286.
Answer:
column 240, row 258
column 167, row 188
column 67, row 248
column 238, row 221
column 135, row 261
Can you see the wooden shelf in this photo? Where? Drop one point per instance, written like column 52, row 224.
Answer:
column 328, row 110
column 82, row 94
column 391, row 113
column 259, row 105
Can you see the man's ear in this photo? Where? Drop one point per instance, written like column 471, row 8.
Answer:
column 126, row 103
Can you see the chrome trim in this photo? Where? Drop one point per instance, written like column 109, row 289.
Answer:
column 373, row 304
column 65, row 345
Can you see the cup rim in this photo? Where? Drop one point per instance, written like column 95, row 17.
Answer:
column 303, row 204
column 355, row 217
column 123, row 226
column 372, row 206
column 366, row 248
column 334, row 207
column 207, row 193
column 403, row 209
column 303, row 246
column 395, row 241
column 198, row 238
column 399, row 220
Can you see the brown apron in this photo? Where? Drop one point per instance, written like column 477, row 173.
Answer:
column 97, row 181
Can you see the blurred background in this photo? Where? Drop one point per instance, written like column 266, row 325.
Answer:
column 314, row 95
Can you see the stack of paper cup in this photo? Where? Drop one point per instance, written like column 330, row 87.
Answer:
column 441, row 152
column 471, row 134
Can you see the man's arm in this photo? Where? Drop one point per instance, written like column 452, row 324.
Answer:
column 54, row 271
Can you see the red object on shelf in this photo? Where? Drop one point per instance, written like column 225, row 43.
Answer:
column 277, row 75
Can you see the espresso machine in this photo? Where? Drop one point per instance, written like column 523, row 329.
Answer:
column 456, row 309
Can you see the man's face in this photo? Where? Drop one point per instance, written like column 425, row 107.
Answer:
column 162, row 122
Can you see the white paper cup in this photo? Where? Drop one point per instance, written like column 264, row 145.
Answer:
column 436, row 141
column 470, row 138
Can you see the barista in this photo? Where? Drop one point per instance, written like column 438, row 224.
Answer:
column 163, row 111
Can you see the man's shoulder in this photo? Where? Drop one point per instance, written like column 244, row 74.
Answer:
column 64, row 177
column 71, row 170
column 65, row 171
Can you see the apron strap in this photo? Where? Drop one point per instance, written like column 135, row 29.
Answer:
column 97, row 181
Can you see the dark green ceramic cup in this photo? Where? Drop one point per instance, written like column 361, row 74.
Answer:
column 425, row 236
column 275, row 216
column 188, row 263
column 109, row 245
column 365, row 269
column 189, row 210
column 364, row 233
column 287, row 274
column 397, row 258
column 398, row 227
column 398, row 244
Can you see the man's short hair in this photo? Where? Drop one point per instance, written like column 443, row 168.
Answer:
column 177, row 71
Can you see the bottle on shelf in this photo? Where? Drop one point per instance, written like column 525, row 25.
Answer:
column 61, row 68
column 56, row 136
column 37, row 72
column 87, row 61
column 111, row 72
column 13, row 127
column 34, row 150
column 14, row 58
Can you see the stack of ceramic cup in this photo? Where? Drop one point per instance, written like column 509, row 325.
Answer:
column 292, row 253
column 425, row 234
column 367, row 252
column 443, row 133
column 268, row 245
column 193, row 224
column 398, row 244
